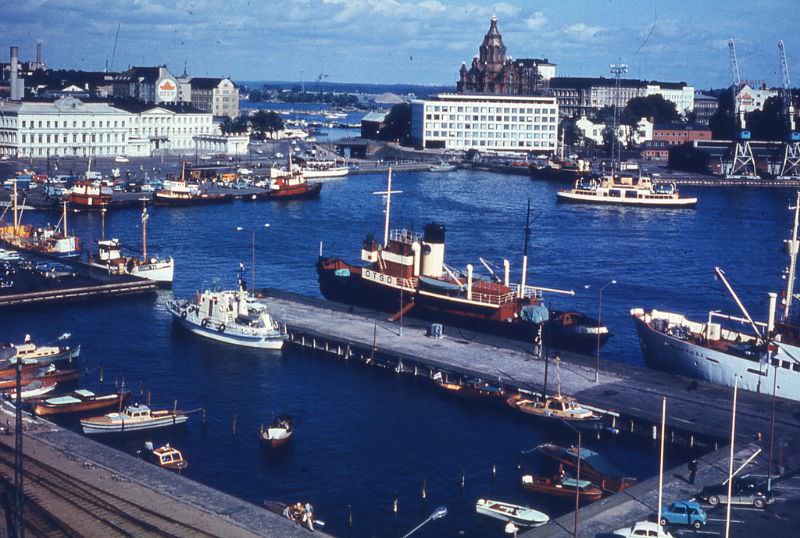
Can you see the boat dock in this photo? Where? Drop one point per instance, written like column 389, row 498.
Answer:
column 75, row 486
column 77, row 281
column 698, row 413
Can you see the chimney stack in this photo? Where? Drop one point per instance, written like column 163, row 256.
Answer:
column 15, row 83
column 39, row 52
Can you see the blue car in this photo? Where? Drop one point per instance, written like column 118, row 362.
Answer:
column 684, row 513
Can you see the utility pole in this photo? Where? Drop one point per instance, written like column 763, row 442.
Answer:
column 617, row 70
column 19, row 499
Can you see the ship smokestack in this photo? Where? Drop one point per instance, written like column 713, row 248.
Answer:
column 506, row 272
column 433, row 250
column 15, row 82
column 773, row 301
column 469, row 281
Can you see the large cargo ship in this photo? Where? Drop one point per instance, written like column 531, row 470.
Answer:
column 407, row 274
column 726, row 349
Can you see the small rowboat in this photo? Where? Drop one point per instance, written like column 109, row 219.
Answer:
column 519, row 515
column 470, row 388
column 562, row 487
column 79, row 401
column 34, row 389
column 302, row 514
column 279, row 432
column 133, row 418
column 557, row 408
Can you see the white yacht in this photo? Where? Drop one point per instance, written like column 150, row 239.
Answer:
column 726, row 349
column 230, row 316
column 628, row 190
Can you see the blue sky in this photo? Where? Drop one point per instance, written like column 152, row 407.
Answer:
column 409, row 41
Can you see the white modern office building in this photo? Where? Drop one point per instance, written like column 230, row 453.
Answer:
column 486, row 123
column 71, row 127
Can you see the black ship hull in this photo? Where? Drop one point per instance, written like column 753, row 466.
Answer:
column 571, row 331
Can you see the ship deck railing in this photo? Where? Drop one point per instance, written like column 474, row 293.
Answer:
column 405, row 236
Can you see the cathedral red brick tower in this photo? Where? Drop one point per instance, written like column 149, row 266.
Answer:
column 491, row 72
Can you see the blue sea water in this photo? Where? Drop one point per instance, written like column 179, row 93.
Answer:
column 366, row 435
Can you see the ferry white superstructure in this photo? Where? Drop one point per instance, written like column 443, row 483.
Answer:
column 626, row 190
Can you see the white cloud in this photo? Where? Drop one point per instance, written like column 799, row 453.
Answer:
column 582, row 30
column 536, row 21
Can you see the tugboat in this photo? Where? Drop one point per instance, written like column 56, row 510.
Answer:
column 88, row 195
column 763, row 357
column 279, row 432
column 231, row 316
column 291, row 184
column 109, row 257
column 179, row 192
column 406, row 273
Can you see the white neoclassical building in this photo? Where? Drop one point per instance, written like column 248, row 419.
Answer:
column 71, row 127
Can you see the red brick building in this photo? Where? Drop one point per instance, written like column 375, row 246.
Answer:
column 676, row 133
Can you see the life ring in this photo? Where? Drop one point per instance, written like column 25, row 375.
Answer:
column 221, row 327
column 183, row 314
column 204, row 323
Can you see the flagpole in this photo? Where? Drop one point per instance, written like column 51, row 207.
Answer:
column 730, row 459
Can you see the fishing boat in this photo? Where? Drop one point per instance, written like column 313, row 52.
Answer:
column 519, row 515
column 406, row 274
column 302, row 514
column 31, row 354
column 593, row 466
column 557, row 408
column 279, row 432
column 292, row 185
column 556, row 169
column 562, row 486
column 470, row 388
column 50, row 240
column 110, row 258
column 626, row 190
column 167, row 457
column 88, row 195
column 760, row 356
column 133, row 418
column 181, row 192
column 231, row 316
column 78, row 401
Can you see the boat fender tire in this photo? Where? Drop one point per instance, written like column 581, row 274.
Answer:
column 221, row 327
column 183, row 314
column 204, row 323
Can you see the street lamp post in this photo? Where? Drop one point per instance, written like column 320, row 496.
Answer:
column 599, row 325
column 438, row 513
column 577, row 478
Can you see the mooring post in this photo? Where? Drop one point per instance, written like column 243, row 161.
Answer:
column 424, row 489
column 233, row 425
column 101, row 374
column 395, row 503
column 494, row 471
column 203, row 418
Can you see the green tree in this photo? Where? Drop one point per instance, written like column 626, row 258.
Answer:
column 722, row 124
column 769, row 123
column 652, row 106
column 264, row 122
column 235, row 125
column 397, row 125
column 572, row 135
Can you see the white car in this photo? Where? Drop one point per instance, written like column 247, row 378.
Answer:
column 643, row 529
column 121, row 159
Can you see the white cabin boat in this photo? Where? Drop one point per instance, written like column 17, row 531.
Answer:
column 230, row 316
column 627, row 190
column 519, row 515
column 133, row 418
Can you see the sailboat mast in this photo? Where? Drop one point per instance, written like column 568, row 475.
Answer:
column 65, row 219
column 16, row 211
column 144, row 233
column 388, row 209
column 525, row 251
column 787, row 303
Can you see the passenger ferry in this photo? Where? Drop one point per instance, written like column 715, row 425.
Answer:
column 765, row 357
column 628, row 190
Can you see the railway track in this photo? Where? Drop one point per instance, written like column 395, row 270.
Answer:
column 58, row 504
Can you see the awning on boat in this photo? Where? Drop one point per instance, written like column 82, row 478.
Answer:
column 85, row 393
column 63, row 400
column 342, row 272
column 535, row 313
column 443, row 285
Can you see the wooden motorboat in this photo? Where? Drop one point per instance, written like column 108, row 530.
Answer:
column 168, row 457
column 58, row 375
column 79, row 401
column 558, row 408
column 302, row 514
column 31, row 354
column 133, row 418
column 33, row 389
column 279, row 432
column 470, row 388
column 559, row 486
column 519, row 515
column 593, row 466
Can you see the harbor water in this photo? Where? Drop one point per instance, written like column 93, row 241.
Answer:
column 365, row 436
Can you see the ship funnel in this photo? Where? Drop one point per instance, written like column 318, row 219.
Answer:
column 506, row 272
column 469, row 281
column 773, row 301
column 433, row 250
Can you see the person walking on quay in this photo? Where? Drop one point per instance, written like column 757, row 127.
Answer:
column 692, row 470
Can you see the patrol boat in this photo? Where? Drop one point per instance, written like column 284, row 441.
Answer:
column 764, row 357
column 230, row 316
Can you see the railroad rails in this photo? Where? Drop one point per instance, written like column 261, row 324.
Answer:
column 58, row 504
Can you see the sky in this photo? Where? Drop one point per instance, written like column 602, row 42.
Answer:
column 407, row 41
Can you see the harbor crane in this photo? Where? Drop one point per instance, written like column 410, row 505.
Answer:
column 790, row 168
column 743, row 165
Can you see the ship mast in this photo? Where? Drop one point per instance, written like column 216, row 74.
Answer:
column 145, row 217
column 65, row 219
column 792, row 244
column 388, row 193
column 16, row 211
column 525, row 251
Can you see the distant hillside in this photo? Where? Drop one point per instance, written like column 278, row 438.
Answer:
column 350, row 87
